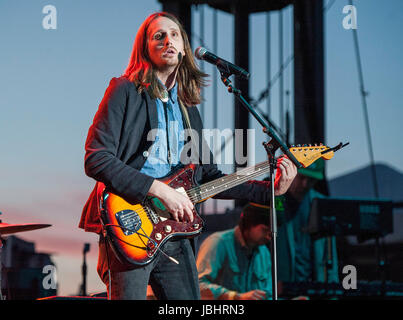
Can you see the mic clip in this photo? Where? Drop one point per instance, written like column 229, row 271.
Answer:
column 228, row 84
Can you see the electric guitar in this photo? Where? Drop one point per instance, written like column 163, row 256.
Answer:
column 137, row 231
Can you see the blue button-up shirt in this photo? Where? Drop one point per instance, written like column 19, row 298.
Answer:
column 157, row 164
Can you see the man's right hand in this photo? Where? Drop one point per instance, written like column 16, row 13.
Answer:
column 252, row 295
column 178, row 205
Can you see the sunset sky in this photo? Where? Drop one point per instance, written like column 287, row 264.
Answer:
column 53, row 80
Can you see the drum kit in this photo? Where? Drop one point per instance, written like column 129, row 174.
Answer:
column 7, row 229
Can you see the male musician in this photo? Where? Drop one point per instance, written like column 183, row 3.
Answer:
column 235, row 264
column 159, row 90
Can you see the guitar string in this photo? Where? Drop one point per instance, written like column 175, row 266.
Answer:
column 196, row 192
column 243, row 172
column 246, row 171
column 240, row 172
column 228, row 185
column 203, row 195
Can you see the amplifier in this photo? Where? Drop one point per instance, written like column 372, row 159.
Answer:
column 365, row 218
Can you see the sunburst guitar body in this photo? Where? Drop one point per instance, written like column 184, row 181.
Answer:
column 137, row 230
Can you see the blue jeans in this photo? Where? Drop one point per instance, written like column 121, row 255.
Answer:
column 169, row 281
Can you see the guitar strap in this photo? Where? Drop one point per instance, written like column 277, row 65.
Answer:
column 188, row 125
column 187, row 120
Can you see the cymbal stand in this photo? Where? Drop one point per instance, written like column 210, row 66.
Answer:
column 1, row 264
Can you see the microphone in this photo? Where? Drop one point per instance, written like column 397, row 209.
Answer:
column 224, row 66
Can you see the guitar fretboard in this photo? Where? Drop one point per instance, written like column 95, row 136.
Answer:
column 209, row 189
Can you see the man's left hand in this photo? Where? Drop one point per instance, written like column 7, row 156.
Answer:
column 284, row 176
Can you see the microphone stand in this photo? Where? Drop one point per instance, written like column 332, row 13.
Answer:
column 271, row 148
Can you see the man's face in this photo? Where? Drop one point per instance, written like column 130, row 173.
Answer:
column 164, row 42
column 258, row 235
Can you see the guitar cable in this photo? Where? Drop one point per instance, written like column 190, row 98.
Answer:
column 139, row 234
column 109, row 268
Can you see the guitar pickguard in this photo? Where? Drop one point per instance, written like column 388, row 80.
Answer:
column 158, row 209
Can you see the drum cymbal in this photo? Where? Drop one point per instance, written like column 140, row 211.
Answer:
column 6, row 228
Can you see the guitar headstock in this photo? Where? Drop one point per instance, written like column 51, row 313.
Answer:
column 308, row 154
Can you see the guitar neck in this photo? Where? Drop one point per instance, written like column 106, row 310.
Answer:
column 210, row 189
column 305, row 155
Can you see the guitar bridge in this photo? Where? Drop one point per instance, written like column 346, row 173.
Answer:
column 129, row 220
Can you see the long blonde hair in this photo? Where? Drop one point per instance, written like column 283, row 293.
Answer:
column 141, row 71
